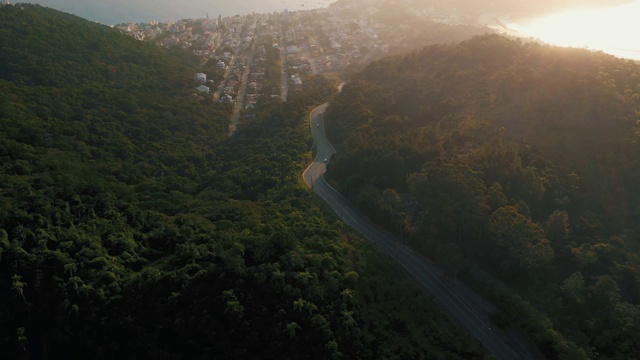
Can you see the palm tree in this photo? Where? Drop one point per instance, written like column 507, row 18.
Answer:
column 298, row 304
column 278, row 276
column 18, row 286
column 75, row 281
column 85, row 289
column 19, row 232
column 22, row 338
column 310, row 307
column 347, row 319
column 70, row 267
column 291, row 328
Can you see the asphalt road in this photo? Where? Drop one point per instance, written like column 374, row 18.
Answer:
column 429, row 276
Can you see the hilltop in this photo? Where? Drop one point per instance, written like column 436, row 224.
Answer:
column 514, row 159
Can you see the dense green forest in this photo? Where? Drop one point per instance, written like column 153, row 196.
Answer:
column 132, row 226
column 508, row 160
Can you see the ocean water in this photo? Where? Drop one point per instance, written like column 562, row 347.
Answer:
column 614, row 30
column 112, row 12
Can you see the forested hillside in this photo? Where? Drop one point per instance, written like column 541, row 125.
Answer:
column 132, row 227
column 517, row 158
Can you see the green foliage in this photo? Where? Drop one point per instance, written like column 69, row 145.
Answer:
column 132, row 226
column 516, row 157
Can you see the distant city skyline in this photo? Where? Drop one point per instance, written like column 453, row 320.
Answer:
column 112, row 12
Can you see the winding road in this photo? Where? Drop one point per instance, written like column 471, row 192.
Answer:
column 451, row 297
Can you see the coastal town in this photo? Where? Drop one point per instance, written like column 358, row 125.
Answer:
column 244, row 58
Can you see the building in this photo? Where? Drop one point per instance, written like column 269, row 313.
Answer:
column 203, row 89
column 201, row 77
column 292, row 49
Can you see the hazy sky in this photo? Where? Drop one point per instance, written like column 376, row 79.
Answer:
column 613, row 29
column 119, row 11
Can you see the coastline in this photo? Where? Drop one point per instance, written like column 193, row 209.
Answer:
column 516, row 25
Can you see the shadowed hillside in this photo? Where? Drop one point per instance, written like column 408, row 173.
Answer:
column 132, row 226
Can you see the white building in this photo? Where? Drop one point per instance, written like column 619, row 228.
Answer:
column 203, row 89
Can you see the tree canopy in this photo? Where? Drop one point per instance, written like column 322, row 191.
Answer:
column 132, row 226
column 519, row 158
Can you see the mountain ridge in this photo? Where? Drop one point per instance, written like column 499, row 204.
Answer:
column 516, row 159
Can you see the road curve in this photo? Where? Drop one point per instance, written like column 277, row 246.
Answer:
column 424, row 272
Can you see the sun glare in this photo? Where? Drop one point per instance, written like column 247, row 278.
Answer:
column 614, row 30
